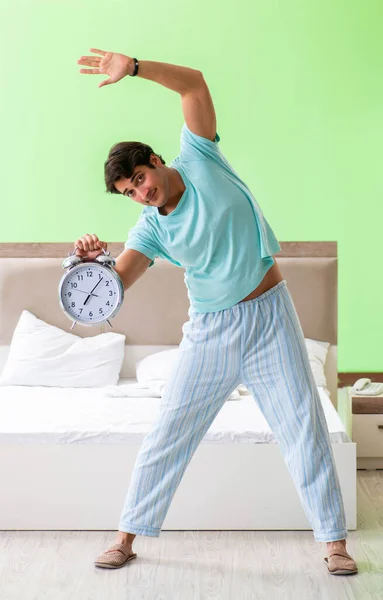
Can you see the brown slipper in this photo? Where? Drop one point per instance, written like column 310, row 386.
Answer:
column 115, row 557
column 339, row 562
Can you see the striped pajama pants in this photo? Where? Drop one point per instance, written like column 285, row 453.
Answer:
column 259, row 343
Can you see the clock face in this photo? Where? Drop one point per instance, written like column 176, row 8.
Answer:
column 90, row 293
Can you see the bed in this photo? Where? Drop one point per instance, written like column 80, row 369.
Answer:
column 66, row 454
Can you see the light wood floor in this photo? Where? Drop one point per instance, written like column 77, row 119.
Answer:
column 219, row 565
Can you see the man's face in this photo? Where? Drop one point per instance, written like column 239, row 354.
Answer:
column 146, row 186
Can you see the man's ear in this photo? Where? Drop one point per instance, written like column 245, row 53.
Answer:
column 154, row 159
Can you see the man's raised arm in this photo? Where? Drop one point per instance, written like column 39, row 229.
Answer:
column 197, row 104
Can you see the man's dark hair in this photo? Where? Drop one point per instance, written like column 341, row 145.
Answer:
column 123, row 158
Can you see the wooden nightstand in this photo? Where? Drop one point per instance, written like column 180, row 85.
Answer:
column 367, row 430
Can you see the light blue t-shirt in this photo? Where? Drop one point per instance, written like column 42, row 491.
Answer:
column 217, row 232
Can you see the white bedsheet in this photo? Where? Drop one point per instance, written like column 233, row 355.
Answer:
column 43, row 415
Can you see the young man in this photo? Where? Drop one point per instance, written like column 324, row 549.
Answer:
column 243, row 326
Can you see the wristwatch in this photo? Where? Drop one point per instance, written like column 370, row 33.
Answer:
column 135, row 68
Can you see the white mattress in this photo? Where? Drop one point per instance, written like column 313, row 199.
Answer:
column 43, row 415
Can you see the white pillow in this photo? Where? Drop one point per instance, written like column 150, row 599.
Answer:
column 42, row 354
column 317, row 352
column 159, row 365
column 4, row 351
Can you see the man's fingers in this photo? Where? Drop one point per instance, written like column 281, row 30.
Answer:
column 87, row 60
column 90, row 239
column 90, row 71
column 87, row 57
column 98, row 51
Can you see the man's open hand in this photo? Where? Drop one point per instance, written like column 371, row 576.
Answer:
column 112, row 64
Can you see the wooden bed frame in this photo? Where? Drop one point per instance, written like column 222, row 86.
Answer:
column 83, row 486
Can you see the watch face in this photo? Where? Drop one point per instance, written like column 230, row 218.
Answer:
column 90, row 293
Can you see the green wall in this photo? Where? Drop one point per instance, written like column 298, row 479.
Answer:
column 297, row 87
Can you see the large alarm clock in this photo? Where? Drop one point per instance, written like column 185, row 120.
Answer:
column 90, row 292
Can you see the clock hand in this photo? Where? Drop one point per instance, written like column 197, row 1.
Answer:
column 84, row 292
column 91, row 291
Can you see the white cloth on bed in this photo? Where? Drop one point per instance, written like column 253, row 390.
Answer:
column 154, row 389
column 43, row 415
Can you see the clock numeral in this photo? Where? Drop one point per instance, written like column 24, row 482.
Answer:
column 81, row 310
column 100, row 311
column 110, row 293
column 80, row 277
column 73, row 285
column 106, row 282
column 99, row 275
column 108, row 303
column 91, row 314
column 73, row 304
column 89, row 273
column 69, row 294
